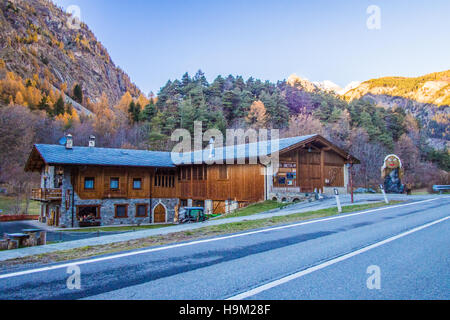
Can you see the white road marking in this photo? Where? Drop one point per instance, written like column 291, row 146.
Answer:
column 297, row 275
column 134, row 253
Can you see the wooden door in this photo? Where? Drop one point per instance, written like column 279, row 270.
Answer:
column 57, row 215
column 218, row 207
column 310, row 173
column 159, row 214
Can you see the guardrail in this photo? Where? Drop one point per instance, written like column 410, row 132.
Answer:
column 440, row 189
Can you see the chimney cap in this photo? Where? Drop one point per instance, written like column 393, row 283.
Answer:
column 69, row 141
column 91, row 141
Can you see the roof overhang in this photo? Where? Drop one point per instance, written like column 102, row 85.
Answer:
column 35, row 161
column 324, row 142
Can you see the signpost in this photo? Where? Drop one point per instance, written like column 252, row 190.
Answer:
column 384, row 194
column 350, row 166
column 338, row 201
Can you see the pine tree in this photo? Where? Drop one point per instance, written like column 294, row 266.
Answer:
column 200, row 79
column 43, row 104
column 58, row 107
column 131, row 111
column 149, row 111
column 78, row 93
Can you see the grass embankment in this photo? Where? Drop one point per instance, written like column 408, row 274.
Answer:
column 6, row 203
column 120, row 228
column 205, row 232
column 256, row 208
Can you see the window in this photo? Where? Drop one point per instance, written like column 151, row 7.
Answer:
column 223, row 172
column 165, row 179
column 88, row 213
column 114, row 183
column 137, row 184
column 185, row 173
column 121, row 211
column 89, row 183
column 141, row 210
column 200, row 173
column 198, row 203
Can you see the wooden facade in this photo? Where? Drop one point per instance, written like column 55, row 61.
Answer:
column 132, row 183
column 314, row 167
column 242, row 183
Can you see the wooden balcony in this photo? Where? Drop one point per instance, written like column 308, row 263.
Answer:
column 46, row 194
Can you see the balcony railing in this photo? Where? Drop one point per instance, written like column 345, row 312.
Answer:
column 46, row 194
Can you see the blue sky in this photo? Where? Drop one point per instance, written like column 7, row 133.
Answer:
column 154, row 41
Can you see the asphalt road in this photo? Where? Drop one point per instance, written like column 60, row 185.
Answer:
column 409, row 244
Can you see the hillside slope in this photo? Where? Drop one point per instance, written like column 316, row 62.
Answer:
column 36, row 39
column 433, row 88
column 426, row 97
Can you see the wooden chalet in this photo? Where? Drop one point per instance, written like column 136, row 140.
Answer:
column 83, row 186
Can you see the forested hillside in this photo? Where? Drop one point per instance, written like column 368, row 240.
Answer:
column 426, row 97
column 49, row 54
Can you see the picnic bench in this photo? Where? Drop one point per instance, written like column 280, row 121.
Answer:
column 16, row 240
column 37, row 237
column 441, row 188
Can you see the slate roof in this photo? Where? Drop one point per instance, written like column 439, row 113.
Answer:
column 59, row 155
column 242, row 151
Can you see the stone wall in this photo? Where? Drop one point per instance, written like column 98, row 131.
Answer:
column 107, row 208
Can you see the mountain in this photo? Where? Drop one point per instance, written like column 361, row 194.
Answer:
column 433, row 88
column 426, row 97
column 298, row 82
column 39, row 41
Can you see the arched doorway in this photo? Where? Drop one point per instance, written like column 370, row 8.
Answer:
column 159, row 214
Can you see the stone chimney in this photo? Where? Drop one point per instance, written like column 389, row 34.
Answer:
column 69, row 142
column 92, row 142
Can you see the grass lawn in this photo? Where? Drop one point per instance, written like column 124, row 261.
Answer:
column 120, row 228
column 201, row 233
column 256, row 208
column 7, row 202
